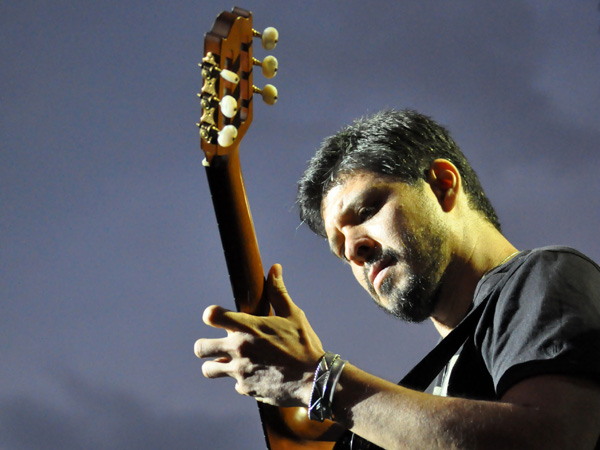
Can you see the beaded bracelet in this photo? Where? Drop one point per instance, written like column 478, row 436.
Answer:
column 326, row 378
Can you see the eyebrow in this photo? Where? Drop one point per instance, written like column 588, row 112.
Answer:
column 360, row 198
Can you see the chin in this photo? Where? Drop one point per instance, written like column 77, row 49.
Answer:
column 415, row 305
column 410, row 315
column 405, row 311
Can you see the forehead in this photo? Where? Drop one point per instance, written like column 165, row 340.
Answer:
column 350, row 187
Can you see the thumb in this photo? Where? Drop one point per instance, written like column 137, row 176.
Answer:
column 277, row 292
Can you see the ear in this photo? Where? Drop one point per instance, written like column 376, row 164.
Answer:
column 445, row 182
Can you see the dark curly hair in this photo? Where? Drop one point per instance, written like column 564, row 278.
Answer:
column 402, row 144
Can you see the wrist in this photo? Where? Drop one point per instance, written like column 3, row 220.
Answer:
column 326, row 377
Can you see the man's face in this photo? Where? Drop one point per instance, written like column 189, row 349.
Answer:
column 394, row 238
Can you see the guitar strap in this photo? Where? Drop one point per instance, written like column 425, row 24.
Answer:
column 422, row 375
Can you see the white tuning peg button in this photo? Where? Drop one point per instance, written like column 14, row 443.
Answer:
column 269, row 38
column 230, row 76
column 227, row 136
column 269, row 94
column 229, row 106
column 269, row 66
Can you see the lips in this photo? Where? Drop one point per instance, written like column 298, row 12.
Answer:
column 377, row 272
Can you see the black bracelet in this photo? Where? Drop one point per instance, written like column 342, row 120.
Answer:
column 327, row 375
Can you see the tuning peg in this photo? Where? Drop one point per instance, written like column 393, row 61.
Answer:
column 224, row 138
column 269, row 93
column 226, row 74
column 229, row 106
column 227, row 136
column 269, row 66
column 230, row 76
column 210, row 69
column 269, row 37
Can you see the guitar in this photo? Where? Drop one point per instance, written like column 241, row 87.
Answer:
column 227, row 99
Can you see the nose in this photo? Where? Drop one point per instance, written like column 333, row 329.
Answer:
column 358, row 248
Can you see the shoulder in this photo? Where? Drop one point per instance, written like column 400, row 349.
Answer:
column 553, row 281
column 542, row 316
column 547, row 275
column 555, row 256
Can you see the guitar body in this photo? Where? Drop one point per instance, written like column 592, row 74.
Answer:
column 228, row 49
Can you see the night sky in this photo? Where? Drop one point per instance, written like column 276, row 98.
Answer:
column 109, row 249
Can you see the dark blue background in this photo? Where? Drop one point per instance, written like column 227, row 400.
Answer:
column 108, row 244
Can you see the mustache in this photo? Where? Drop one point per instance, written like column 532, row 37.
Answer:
column 375, row 257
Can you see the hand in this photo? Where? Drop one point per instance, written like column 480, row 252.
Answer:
column 271, row 358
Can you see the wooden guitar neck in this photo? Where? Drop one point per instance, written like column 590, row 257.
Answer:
column 227, row 103
column 238, row 238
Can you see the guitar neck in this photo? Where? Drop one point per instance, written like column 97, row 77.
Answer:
column 238, row 237
column 284, row 429
column 227, row 110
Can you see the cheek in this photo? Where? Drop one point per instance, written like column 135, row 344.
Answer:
column 359, row 274
column 388, row 227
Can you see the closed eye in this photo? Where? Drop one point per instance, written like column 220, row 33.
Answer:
column 366, row 212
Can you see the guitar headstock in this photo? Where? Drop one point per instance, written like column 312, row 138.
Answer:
column 228, row 90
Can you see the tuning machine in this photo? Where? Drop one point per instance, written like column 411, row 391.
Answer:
column 269, row 93
column 207, row 125
column 228, row 105
column 269, row 37
column 224, row 137
column 210, row 101
column 211, row 70
column 269, row 65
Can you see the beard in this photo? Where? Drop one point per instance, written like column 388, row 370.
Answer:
column 423, row 262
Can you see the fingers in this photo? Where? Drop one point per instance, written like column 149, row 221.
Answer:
column 278, row 295
column 212, row 348
column 218, row 317
column 216, row 369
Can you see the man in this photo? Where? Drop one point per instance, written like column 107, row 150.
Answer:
column 397, row 200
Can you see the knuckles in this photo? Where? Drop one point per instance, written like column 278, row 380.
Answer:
column 240, row 371
column 244, row 345
column 242, row 388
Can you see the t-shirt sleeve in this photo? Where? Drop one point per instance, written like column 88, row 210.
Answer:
column 546, row 320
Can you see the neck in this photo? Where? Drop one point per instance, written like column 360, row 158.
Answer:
column 466, row 269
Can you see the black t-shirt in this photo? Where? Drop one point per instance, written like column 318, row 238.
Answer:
column 542, row 317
